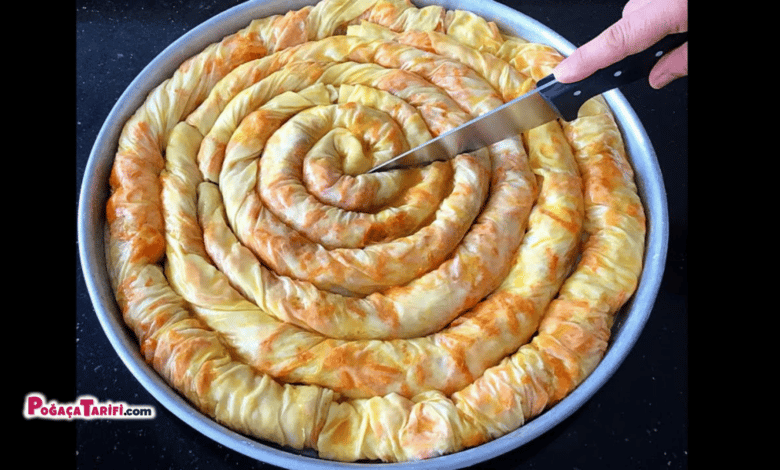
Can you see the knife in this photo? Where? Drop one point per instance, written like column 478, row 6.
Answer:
column 548, row 101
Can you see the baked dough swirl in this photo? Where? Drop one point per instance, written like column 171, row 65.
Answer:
column 394, row 316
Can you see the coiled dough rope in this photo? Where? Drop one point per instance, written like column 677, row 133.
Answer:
column 393, row 316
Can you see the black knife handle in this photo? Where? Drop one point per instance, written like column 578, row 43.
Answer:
column 567, row 98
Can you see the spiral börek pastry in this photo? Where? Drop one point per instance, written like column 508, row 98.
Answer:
column 393, row 316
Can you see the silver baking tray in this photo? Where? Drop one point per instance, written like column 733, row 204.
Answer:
column 91, row 220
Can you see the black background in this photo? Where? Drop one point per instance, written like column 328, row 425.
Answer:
column 638, row 420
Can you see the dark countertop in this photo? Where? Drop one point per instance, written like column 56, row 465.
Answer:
column 638, row 420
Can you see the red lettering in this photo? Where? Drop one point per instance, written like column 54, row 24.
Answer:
column 84, row 402
column 33, row 403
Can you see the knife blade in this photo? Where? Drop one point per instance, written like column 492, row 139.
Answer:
column 549, row 100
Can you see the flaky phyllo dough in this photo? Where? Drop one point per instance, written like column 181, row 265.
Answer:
column 391, row 316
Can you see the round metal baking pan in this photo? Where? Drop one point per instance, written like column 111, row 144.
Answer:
column 91, row 222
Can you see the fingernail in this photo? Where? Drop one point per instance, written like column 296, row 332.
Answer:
column 660, row 80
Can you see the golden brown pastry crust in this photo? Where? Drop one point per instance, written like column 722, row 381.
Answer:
column 396, row 316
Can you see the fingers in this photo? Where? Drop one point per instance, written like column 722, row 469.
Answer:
column 672, row 66
column 644, row 23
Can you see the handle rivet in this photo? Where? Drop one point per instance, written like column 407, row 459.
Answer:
column 618, row 73
column 578, row 93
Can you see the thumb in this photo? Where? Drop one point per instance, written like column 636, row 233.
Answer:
column 672, row 66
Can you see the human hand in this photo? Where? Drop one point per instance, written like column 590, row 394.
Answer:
column 644, row 22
